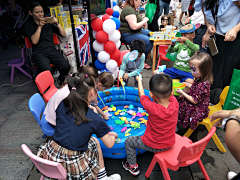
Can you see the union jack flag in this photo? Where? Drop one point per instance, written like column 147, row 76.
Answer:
column 84, row 43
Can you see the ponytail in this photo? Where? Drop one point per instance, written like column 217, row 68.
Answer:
column 77, row 100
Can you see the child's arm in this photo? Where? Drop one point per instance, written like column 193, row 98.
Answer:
column 140, row 86
column 102, row 113
column 174, row 12
column 189, row 44
column 139, row 69
column 123, row 66
column 173, row 48
column 188, row 97
column 109, row 139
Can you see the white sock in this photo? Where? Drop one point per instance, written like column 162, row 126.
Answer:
column 102, row 174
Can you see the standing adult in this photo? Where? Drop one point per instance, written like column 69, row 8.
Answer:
column 164, row 4
column 184, row 8
column 132, row 26
column 41, row 36
column 154, row 25
column 222, row 17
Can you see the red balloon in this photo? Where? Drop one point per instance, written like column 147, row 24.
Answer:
column 105, row 17
column 110, row 47
column 97, row 24
column 115, row 55
column 119, row 62
column 109, row 11
column 102, row 36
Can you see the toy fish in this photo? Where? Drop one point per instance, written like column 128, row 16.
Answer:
column 106, row 93
column 147, row 114
column 128, row 130
column 134, row 114
column 119, row 110
column 122, row 113
column 124, row 129
column 139, row 114
column 131, row 106
column 113, row 117
column 140, row 109
column 124, row 110
column 133, row 117
column 126, row 114
column 135, row 125
column 118, row 140
column 109, row 100
column 126, row 106
column 108, row 114
column 123, row 118
column 141, row 119
column 144, row 121
column 116, row 113
column 127, row 134
column 105, row 111
column 119, row 122
column 114, row 108
column 104, row 108
column 144, row 114
column 126, row 122
column 116, row 154
column 132, row 122
column 111, row 128
column 130, row 111
column 109, row 109
column 127, row 125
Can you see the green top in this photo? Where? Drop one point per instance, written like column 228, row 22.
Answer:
column 185, row 52
column 125, row 28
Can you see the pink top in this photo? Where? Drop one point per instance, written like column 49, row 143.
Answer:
column 53, row 103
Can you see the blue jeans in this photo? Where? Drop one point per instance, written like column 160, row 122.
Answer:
column 198, row 37
column 164, row 6
column 135, row 82
column 144, row 35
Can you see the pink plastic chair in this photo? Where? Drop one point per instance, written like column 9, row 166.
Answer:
column 45, row 84
column 17, row 63
column 48, row 168
column 183, row 153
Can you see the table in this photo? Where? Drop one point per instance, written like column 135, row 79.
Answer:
column 155, row 43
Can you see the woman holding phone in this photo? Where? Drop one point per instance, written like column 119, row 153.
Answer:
column 40, row 33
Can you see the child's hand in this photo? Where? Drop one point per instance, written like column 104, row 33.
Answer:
column 182, row 39
column 119, row 77
column 139, row 78
column 173, row 44
column 93, row 108
column 187, row 84
column 113, row 133
column 105, row 117
column 179, row 91
column 125, row 76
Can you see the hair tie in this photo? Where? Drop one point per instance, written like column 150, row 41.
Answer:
column 73, row 88
column 86, row 75
column 70, row 74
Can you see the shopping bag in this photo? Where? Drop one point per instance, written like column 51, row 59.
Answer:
column 150, row 10
column 172, row 56
column 233, row 97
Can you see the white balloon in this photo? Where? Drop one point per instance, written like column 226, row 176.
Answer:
column 109, row 26
column 115, row 36
column 111, row 65
column 118, row 44
column 94, row 34
column 115, row 73
column 116, row 8
column 98, row 46
column 103, row 56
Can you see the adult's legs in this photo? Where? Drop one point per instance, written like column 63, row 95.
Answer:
column 161, row 4
column 198, row 37
column 42, row 62
column 166, row 9
column 180, row 17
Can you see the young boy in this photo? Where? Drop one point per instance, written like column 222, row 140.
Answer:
column 130, row 69
column 162, row 121
column 172, row 11
column 185, row 48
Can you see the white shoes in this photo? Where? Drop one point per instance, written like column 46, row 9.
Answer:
column 114, row 177
column 231, row 175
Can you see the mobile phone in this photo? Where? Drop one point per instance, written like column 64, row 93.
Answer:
column 48, row 20
column 212, row 46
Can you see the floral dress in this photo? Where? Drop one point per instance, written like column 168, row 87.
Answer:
column 189, row 113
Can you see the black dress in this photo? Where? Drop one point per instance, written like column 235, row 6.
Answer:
column 154, row 25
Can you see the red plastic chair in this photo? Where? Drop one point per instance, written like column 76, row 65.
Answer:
column 48, row 168
column 45, row 84
column 183, row 153
column 120, row 61
column 162, row 54
column 18, row 63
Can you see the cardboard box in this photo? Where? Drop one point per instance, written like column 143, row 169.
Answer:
column 62, row 19
column 158, row 35
column 59, row 9
column 53, row 11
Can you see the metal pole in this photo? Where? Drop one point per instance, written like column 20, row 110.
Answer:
column 74, row 34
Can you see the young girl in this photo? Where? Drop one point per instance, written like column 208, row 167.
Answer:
column 165, row 20
column 72, row 144
column 104, row 81
column 130, row 69
column 193, row 106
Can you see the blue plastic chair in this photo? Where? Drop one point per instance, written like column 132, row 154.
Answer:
column 36, row 105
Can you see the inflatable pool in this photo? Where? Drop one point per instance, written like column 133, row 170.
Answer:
column 115, row 97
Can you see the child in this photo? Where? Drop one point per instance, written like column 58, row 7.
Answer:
column 165, row 20
column 162, row 121
column 185, row 48
column 172, row 11
column 194, row 104
column 130, row 69
column 104, row 81
column 72, row 144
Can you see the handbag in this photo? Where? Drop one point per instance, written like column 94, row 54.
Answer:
column 150, row 10
column 172, row 56
column 233, row 97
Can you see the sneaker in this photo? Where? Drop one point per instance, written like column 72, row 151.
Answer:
column 134, row 171
column 231, row 175
column 114, row 177
column 180, row 24
column 146, row 66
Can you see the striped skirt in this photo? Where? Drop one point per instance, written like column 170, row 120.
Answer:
column 78, row 165
column 185, row 5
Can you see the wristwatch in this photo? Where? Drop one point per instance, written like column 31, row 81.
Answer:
column 231, row 117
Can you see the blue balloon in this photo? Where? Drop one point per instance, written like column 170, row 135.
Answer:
column 114, row 3
column 100, row 65
column 96, row 54
column 115, row 14
column 104, row 70
column 117, row 22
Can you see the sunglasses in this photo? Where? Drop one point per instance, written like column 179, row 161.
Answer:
column 164, row 20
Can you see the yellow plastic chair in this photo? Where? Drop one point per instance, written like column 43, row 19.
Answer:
column 207, row 122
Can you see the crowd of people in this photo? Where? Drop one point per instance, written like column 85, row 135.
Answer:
column 73, row 109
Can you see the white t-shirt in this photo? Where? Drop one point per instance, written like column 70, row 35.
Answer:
column 50, row 110
column 198, row 17
column 172, row 7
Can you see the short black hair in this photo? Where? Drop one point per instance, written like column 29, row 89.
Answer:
column 33, row 4
column 138, row 45
column 161, row 85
